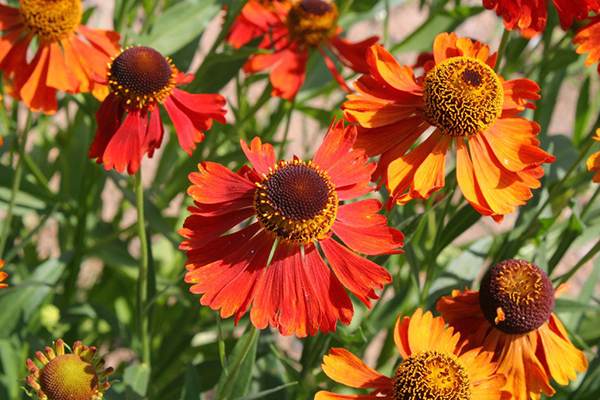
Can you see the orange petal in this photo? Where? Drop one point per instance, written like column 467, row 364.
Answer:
column 345, row 368
column 385, row 67
column 430, row 175
column 465, row 175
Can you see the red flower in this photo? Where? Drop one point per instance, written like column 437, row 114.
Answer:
column 290, row 30
column 62, row 61
column 140, row 79
column 531, row 15
column 295, row 207
column 3, row 276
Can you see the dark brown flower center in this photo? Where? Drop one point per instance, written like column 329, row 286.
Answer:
column 516, row 296
column 312, row 21
column 432, row 374
column 141, row 74
column 296, row 202
column 462, row 96
column 69, row 377
column 51, row 20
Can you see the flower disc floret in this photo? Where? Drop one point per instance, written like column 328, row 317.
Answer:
column 296, row 202
column 516, row 296
column 69, row 377
column 51, row 20
column 312, row 21
column 432, row 374
column 142, row 76
column 462, row 96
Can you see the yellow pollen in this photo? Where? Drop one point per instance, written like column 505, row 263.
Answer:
column 312, row 21
column 520, row 282
column 296, row 202
column 432, row 374
column 51, row 20
column 69, row 377
column 462, row 96
column 141, row 76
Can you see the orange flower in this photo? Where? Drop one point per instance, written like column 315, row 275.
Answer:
column 593, row 163
column 531, row 15
column 290, row 30
column 3, row 276
column 498, row 156
column 79, row 375
column 429, row 351
column 141, row 79
column 295, row 207
column 512, row 316
column 588, row 40
column 66, row 56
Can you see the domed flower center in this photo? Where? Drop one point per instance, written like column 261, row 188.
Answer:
column 432, row 374
column 296, row 202
column 516, row 296
column 142, row 76
column 463, row 96
column 69, row 377
column 51, row 20
column 312, row 21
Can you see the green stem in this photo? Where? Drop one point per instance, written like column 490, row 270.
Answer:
column 592, row 201
column 16, row 186
column 143, row 323
column 502, row 48
column 287, row 128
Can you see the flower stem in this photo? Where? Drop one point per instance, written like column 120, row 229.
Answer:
column 502, row 48
column 143, row 323
column 16, row 186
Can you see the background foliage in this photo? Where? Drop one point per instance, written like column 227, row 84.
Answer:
column 71, row 250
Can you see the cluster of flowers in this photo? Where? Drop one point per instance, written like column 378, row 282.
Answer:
column 508, row 343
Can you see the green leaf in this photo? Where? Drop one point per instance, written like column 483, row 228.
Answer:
column 179, row 25
column 136, row 379
column 26, row 299
column 236, row 383
column 583, row 112
column 191, row 386
column 265, row 393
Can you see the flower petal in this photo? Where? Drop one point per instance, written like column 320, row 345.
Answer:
column 261, row 156
column 345, row 368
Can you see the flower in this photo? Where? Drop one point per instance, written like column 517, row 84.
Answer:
column 512, row 316
column 593, row 163
column 79, row 375
column 290, row 30
column 498, row 156
column 140, row 79
column 3, row 276
column 531, row 15
column 588, row 40
column 66, row 56
column 435, row 366
column 294, row 206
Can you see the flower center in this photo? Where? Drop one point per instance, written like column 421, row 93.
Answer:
column 296, row 202
column 463, row 96
column 51, row 20
column 516, row 296
column 312, row 21
column 69, row 377
column 432, row 374
column 142, row 76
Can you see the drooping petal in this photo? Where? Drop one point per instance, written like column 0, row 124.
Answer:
column 154, row 134
column 31, row 85
column 465, row 176
column 289, row 73
column 352, row 55
column 285, row 297
column 125, row 148
column 108, row 117
column 333, row 299
column 357, row 274
column 385, row 68
column 334, row 72
column 59, row 76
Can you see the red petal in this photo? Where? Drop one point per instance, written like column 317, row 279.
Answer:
column 187, row 134
column 125, row 147
column 261, row 156
column 217, row 184
column 108, row 117
column 353, row 55
column 289, row 73
column 154, row 134
column 356, row 273
column 335, row 302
